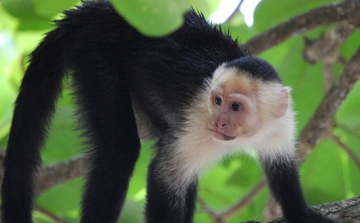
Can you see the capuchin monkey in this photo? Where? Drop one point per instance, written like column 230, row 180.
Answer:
column 195, row 91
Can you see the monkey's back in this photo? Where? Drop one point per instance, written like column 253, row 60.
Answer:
column 160, row 72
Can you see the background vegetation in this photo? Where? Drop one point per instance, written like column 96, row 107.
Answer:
column 330, row 173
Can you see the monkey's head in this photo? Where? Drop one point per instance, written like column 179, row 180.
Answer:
column 241, row 104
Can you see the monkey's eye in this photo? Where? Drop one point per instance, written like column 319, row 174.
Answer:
column 235, row 107
column 218, row 100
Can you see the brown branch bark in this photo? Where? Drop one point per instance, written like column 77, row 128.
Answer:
column 328, row 14
column 326, row 48
column 59, row 173
column 345, row 211
column 54, row 174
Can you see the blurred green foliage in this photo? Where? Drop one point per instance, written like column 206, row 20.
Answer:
column 328, row 174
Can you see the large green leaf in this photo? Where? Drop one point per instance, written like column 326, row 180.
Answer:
column 63, row 200
column 7, row 22
column 321, row 173
column 63, row 142
column 152, row 18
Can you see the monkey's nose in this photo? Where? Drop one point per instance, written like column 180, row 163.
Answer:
column 222, row 124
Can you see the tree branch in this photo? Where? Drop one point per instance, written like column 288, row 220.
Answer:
column 325, row 15
column 59, row 173
column 345, row 210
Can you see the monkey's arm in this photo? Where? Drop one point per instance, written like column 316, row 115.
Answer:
column 283, row 181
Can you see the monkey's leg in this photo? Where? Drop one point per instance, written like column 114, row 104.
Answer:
column 283, row 181
column 170, row 197
column 190, row 203
column 109, row 119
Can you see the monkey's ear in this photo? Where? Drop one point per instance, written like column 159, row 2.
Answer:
column 282, row 103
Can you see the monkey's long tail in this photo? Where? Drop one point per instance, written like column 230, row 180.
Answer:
column 34, row 108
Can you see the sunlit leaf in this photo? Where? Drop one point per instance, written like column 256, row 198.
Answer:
column 24, row 10
column 153, row 17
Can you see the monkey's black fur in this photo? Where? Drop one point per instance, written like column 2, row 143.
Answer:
column 116, row 69
column 257, row 68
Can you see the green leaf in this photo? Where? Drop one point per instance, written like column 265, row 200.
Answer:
column 321, row 172
column 63, row 141
column 7, row 98
column 206, row 7
column 132, row 212
column 64, row 198
column 24, row 10
column 349, row 111
column 152, row 17
column 6, row 20
column 46, row 8
column 247, row 175
column 137, row 186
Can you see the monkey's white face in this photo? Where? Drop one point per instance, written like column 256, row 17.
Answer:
column 232, row 115
column 239, row 105
column 232, row 107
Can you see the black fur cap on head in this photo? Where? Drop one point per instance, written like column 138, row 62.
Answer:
column 255, row 67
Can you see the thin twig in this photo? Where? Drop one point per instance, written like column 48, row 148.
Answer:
column 225, row 215
column 206, row 209
column 355, row 132
column 50, row 215
column 347, row 149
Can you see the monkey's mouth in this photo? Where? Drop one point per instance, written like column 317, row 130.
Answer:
column 221, row 136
